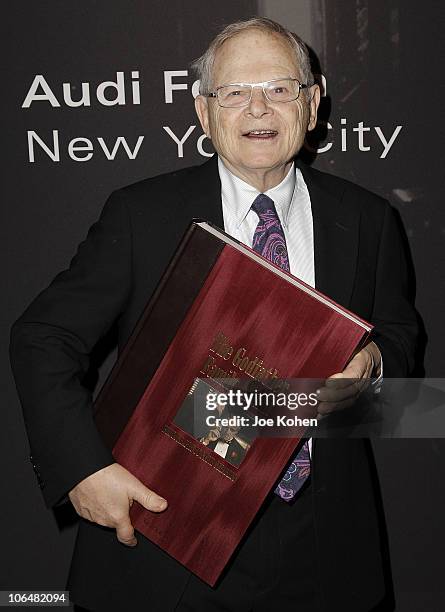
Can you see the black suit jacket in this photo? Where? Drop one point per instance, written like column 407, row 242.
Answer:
column 359, row 262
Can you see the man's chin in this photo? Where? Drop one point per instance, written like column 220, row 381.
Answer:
column 256, row 165
column 265, row 165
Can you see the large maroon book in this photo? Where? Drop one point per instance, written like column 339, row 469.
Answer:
column 220, row 312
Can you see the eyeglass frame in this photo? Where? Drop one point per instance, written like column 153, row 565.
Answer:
column 214, row 94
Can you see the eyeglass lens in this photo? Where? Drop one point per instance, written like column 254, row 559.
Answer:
column 239, row 95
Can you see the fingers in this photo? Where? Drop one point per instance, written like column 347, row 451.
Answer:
column 360, row 366
column 338, row 389
column 341, row 390
column 119, row 518
column 325, row 408
column 337, row 399
column 125, row 532
column 147, row 498
column 348, row 388
column 337, row 381
column 106, row 496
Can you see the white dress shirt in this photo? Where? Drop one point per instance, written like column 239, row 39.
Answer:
column 293, row 205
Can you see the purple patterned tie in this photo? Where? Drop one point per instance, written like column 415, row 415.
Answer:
column 269, row 241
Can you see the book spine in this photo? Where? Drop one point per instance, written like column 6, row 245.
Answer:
column 166, row 309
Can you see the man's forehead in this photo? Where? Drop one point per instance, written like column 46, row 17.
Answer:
column 254, row 54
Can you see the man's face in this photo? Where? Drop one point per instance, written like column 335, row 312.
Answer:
column 250, row 57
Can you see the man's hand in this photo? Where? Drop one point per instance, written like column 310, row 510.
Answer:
column 106, row 497
column 342, row 389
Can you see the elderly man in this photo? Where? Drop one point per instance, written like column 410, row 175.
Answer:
column 322, row 551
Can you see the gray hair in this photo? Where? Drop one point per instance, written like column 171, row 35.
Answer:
column 204, row 64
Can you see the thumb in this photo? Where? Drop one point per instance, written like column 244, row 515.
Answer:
column 148, row 498
column 356, row 367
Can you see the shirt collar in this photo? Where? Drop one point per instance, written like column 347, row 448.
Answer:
column 239, row 195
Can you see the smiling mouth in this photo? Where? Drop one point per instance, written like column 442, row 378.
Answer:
column 261, row 134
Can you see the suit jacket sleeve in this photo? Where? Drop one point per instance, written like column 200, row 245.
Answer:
column 50, row 347
column 393, row 314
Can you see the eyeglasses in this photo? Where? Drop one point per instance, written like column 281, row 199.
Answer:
column 234, row 95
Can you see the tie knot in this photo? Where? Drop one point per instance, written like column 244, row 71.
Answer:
column 263, row 205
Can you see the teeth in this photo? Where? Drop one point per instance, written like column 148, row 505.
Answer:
column 262, row 132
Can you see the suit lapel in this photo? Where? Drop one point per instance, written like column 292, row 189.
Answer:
column 202, row 192
column 336, row 236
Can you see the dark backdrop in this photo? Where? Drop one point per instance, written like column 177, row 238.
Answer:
column 379, row 62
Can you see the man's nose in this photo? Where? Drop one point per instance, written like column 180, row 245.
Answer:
column 259, row 104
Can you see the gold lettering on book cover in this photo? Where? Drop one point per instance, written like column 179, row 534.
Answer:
column 251, row 366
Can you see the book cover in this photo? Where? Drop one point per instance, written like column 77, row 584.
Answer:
column 221, row 313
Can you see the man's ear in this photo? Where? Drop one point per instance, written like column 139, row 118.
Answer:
column 313, row 106
column 202, row 110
